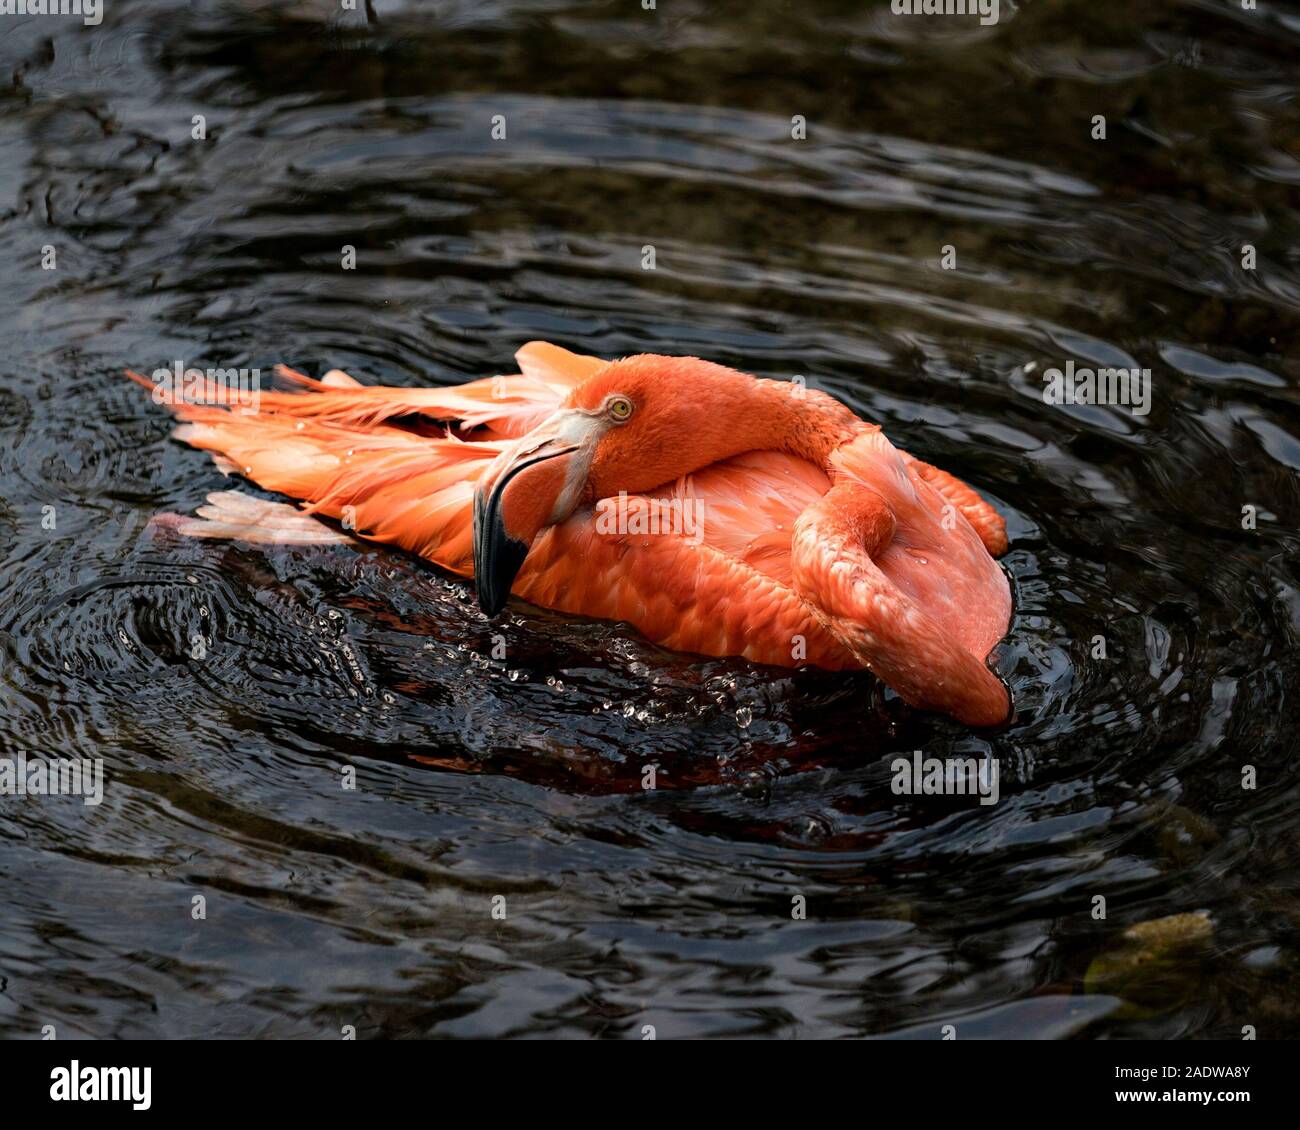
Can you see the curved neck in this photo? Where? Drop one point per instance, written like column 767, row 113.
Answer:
column 718, row 413
column 805, row 422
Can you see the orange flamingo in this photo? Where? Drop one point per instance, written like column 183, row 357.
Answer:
column 717, row 513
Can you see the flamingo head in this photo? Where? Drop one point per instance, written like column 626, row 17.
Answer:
column 635, row 424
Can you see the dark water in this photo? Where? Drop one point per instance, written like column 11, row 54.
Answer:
column 521, row 778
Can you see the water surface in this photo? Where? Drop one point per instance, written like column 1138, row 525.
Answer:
column 521, row 777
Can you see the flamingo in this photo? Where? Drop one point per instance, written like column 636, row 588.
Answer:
column 815, row 541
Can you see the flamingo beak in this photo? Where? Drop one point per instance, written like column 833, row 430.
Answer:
column 535, row 483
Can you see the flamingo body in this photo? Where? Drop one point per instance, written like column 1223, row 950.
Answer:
column 815, row 541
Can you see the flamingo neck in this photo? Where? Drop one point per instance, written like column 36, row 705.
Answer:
column 804, row 422
column 718, row 413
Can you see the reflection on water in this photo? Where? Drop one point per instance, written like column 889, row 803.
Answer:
column 478, row 777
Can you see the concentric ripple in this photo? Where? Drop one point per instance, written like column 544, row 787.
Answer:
column 347, row 762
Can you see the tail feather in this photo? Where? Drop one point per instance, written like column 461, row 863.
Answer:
column 506, row 406
column 231, row 515
column 385, row 484
column 341, row 449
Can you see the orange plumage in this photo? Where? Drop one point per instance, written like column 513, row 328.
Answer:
column 717, row 513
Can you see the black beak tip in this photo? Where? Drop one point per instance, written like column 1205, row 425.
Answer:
column 500, row 567
column 497, row 556
column 491, row 601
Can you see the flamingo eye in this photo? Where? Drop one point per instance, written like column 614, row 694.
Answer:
column 619, row 409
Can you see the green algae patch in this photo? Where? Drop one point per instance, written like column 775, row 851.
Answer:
column 1154, row 966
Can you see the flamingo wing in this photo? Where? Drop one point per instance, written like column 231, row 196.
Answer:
column 936, row 558
column 854, row 556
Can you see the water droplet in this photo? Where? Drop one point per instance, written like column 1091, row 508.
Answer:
column 756, row 785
